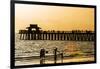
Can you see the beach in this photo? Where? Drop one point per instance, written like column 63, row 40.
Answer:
column 36, row 60
column 27, row 52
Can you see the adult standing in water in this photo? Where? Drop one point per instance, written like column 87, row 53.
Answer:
column 42, row 56
column 55, row 55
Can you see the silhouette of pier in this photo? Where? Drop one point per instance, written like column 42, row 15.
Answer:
column 33, row 32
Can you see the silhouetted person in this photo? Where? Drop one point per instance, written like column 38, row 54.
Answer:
column 42, row 56
column 55, row 55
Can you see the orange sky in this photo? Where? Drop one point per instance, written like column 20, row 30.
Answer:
column 54, row 17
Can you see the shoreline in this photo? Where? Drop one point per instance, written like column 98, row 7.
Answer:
column 36, row 61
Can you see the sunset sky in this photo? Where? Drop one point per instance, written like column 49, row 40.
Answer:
column 54, row 17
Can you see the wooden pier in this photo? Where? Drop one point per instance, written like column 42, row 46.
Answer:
column 34, row 33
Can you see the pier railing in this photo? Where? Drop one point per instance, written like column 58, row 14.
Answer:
column 56, row 35
column 33, row 32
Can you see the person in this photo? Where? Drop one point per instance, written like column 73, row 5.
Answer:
column 55, row 55
column 42, row 56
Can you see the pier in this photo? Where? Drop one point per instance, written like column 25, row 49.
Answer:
column 33, row 32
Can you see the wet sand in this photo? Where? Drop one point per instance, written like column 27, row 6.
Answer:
column 49, row 60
